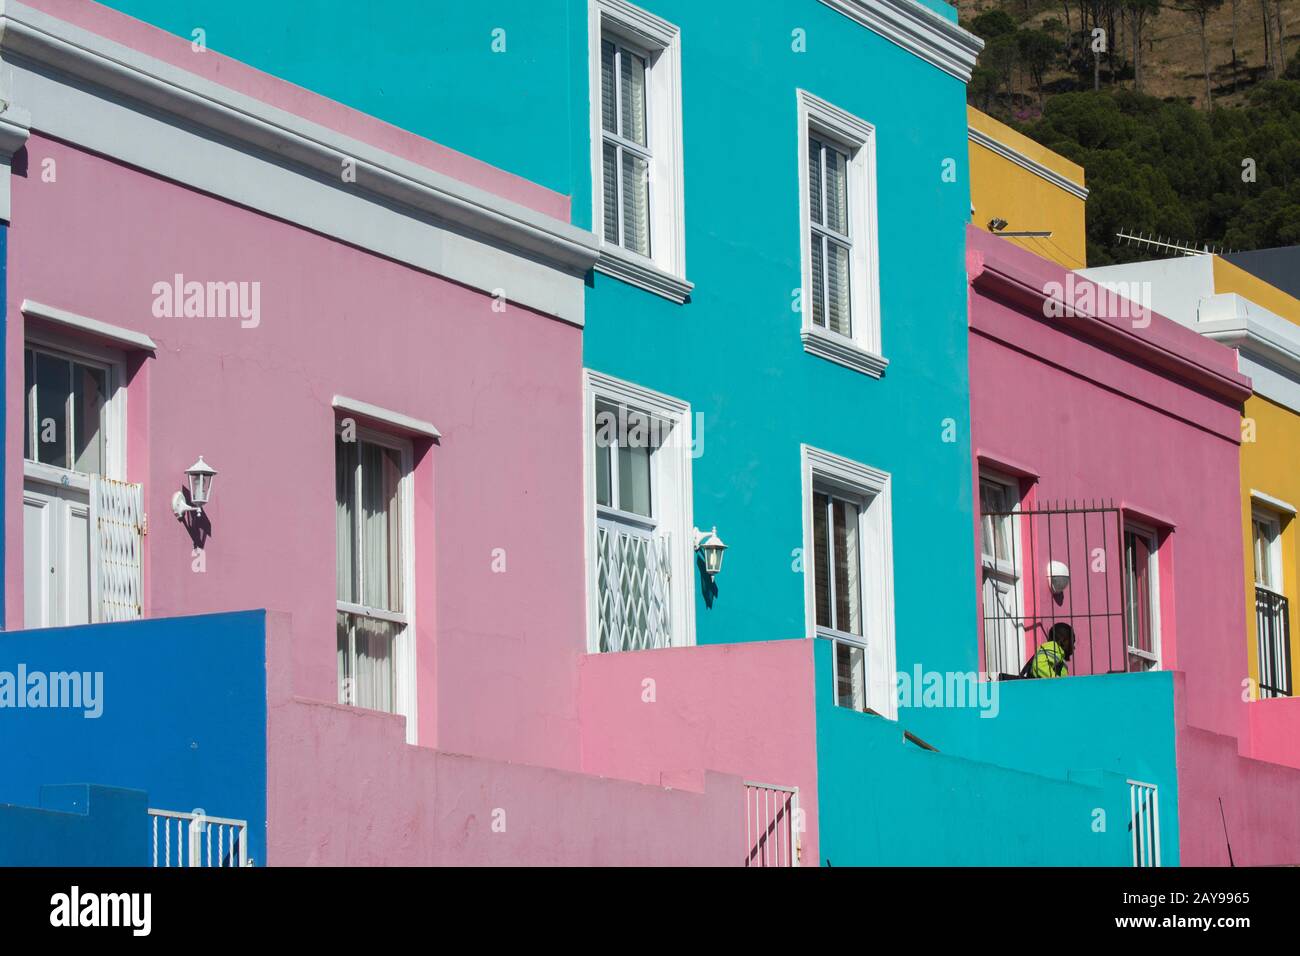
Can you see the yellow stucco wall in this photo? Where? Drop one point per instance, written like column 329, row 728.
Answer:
column 1270, row 463
column 1002, row 189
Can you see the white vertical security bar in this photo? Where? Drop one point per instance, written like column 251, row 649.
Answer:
column 154, row 821
column 770, row 819
column 196, row 841
column 1144, row 821
column 167, row 848
column 243, row 846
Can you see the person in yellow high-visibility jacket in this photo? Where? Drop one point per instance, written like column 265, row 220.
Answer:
column 1052, row 658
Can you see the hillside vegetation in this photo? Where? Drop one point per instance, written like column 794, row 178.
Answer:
column 1204, row 157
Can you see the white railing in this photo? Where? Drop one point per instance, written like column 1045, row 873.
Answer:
column 1144, row 822
column 195, row 839
column 633, row 584
column 772, row 825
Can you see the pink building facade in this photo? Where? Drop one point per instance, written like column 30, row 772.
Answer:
column 204, row 261
column 1106, row 448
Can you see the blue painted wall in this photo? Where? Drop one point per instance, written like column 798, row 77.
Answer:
column 183, row 716
column 77, row 825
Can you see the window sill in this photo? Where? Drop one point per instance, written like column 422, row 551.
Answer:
column 842, row 351
column 642, row 273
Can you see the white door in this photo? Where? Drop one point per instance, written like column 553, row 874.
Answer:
column 56, row 555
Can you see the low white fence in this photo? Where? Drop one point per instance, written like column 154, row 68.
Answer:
column 196, row 839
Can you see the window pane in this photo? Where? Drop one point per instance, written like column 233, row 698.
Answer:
column 89, row 392
column 634, row 479
column 837, row 191
column 345, row 510
column 837, row 287
column 815, row 180
column 848, row 565
column 633, row 90
column 818, row 280
column 821, row 560
column 636, row 203
column 850, row 676
column 29, row 378
column 381, row 529
column 371, row 645
column 609, row 184
column 603, row 441
column 608, row 102
column 53, row 384
column 1137, row 564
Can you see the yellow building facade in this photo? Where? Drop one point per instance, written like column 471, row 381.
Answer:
column 1029, row 188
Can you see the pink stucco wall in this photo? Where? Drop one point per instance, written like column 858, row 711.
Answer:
column 212, row 65
column 345, row 789
column 497, row 651
column 744, row 709
column 1148, row 417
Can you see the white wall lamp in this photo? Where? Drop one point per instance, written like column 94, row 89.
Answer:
column 199, row 475
column 1058, row 576
column 710, row 548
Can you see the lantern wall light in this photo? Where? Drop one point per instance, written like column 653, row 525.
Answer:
column 199, row 475
column 710, row 548
column 1058, row 576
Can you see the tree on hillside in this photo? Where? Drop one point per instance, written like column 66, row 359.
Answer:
column 1139, row 12
column 1037, row 50
column 1201, row 10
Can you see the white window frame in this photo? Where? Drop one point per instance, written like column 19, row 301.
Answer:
column 862, row 349
column 113, row 363
column 1274, row 522
column 404, row 654
column 664, row 271
column 1153, row 588
column 1002, row 570
column 672, row 495
column 851, row 479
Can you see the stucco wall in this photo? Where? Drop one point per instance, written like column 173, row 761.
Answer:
column 502, row 386
column 183, row 718
column 741, row 709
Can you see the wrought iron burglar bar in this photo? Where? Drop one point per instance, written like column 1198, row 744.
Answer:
column 1144, row 822
column 1273, row 622
column 632, row 568
column 1020, row 604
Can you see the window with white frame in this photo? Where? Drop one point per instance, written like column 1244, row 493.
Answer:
column 373, row 571
column 636, row 147
column 1142, row 597
column 639, row 540
column 850, row 577
column 1272, row 609
column 840, row 300
column 1000, row 573
column 73, row 439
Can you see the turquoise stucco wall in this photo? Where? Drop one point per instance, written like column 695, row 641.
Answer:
column 1043, row 782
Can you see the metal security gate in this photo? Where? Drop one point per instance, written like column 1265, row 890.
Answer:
column 633, row 586
column 772, row 825
column 1020, row 601
column 117, row 522
column 195, row 839
column 1144, row 822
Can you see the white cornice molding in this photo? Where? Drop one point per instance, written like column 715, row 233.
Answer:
column 643, row 273
column 15, row 125
column 1276, row 504
column 396, row 420
column 917, row 30
column 112, row 334
column 1025, row 162
column 1243, row 325
column 837, row 348
column 75, row 57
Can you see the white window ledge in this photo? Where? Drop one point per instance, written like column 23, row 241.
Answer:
column 844, row 352
column 112, row 334
column 642, row 273
column 396, row 420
